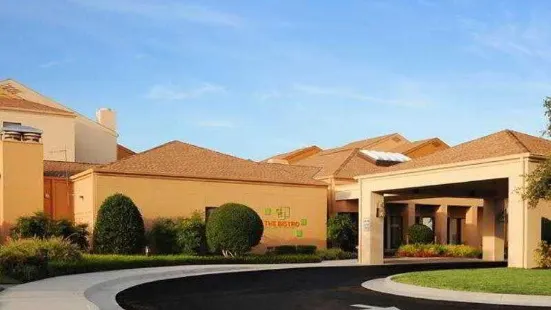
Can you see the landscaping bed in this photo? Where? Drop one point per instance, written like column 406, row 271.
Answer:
column 492, row 280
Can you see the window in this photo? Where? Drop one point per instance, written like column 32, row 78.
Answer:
column 425, row 220
column 208, row 212
column 10, row 124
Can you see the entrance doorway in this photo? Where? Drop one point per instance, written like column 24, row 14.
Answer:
column 394, row 227
column 454, row 230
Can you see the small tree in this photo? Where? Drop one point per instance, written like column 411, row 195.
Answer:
column 119, row 227
column 538, row 182
column 420, row 234
column 234, row 229
column 342, row 232
column 161, row 238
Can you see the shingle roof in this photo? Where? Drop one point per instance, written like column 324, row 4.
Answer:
column 123, row 152
column 503, row 143
column 293, row 153
column 10, row 103
column 54, row 168
column 181, row 159
column 366, row 143
column 410, row 146
column 345, row 163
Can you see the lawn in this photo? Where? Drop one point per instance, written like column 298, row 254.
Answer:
column 492, row 280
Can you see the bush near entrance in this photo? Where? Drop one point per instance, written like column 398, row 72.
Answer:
column 233, row 229
column 342, row 232
column 39, row 225
column 420, row 233
column 119, row 227
column 438, row 250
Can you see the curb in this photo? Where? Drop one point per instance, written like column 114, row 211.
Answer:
column 388, row 286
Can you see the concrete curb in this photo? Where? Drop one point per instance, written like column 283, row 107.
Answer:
column 388, row 286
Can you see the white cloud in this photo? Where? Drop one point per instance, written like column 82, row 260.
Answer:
column 172, row 93
column 349, row 94
column 531, row 39
column 165, row 10
column 216, row 124
column 54, row 63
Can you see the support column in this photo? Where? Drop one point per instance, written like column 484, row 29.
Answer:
column 524, row 224
column 493, row 246
column 371, row 229
column 472, row 235
column 441, row 225
column 410, row 218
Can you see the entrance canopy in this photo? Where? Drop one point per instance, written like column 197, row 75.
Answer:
column 491, row 168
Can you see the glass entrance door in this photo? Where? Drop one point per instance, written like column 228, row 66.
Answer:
column 393, row 232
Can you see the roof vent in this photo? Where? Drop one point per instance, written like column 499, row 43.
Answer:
column 21, row 133
column 386, row 156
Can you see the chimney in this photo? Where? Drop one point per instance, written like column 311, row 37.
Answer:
column 107, row 118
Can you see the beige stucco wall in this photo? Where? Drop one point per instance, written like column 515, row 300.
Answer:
column 169, row 197
column 21, row 182
column 94, row 143
column 58, row 136
column 84, row 200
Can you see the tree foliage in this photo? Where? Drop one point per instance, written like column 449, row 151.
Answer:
column 342, row 232
column 538, row 182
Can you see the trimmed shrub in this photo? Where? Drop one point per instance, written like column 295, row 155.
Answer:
column 335, row 254
column 342, row 232
column 542, row 255
column 421, row 234
column 306, row 249
column 161, row 238
column 41, row 226
column 285, row 249
column 437, row 250
column 190, row 235
column 234, row 229
column 37, row 225
column 119, row 227
column 27, row 259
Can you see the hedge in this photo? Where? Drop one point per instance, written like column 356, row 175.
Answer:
column 335, row 254
column 95, row 263
column 294, row 249
column 437, row 250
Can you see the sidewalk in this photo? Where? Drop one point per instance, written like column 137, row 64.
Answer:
column 387, row 286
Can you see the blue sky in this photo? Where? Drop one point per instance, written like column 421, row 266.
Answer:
column 254, row 78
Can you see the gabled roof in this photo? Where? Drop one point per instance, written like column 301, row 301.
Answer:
column 123, row 152
column 502, row 143
column 20, row 91
column 370, row 142
column 294, row 153
column 10, row 101
column 411, row 146
column 60, row 169
column 179, row 159
column 343, row 163
column 28, row 106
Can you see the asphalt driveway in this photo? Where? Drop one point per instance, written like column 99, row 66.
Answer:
column 309, row 288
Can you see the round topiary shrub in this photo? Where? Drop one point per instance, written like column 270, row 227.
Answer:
column 119, row 227
column 234, row 229
column 420, row 234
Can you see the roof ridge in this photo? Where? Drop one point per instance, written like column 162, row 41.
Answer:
column 512, row 134
column 346, row 161
column 137, row 154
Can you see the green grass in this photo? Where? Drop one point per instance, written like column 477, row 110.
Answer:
column 492, row 280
